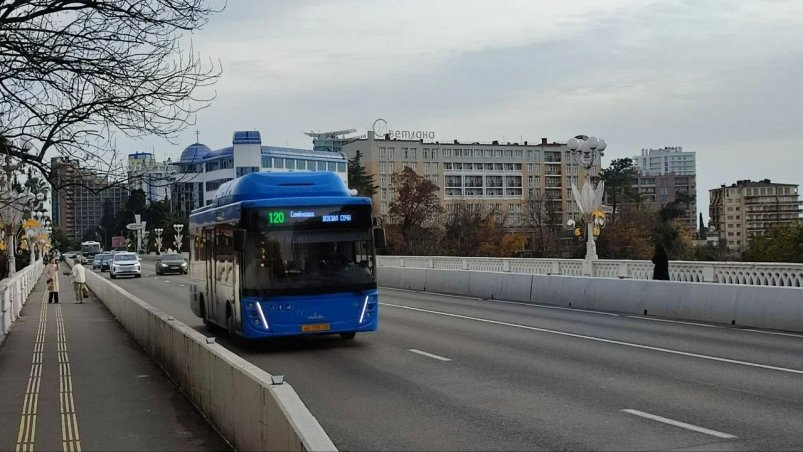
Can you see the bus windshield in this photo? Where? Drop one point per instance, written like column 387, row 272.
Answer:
column 90, row 248
column 305, row 261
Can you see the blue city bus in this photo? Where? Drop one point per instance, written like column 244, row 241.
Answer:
column 284, row 254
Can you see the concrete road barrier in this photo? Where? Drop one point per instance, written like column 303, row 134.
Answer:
column 235, row 396
column 771, row 307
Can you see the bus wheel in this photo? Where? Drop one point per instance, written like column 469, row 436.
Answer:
column 347, row 336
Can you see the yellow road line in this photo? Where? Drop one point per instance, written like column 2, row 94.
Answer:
column 27, row 432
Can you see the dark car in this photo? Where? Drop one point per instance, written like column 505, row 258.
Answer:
column 171, row 263
column 105, row 262
column 96, row 261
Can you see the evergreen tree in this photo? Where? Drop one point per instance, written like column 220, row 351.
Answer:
column 359, row 179
column 619, row 179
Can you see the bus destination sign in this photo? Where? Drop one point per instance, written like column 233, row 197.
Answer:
column 328, row 215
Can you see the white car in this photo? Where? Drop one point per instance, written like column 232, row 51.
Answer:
column 125, row 264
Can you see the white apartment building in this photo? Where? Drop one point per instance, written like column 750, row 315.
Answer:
column 654, row 162
column 663, row 173
column 152, row 177
column 200, row 171
column 502, row 176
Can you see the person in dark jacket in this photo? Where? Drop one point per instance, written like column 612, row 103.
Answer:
column 661, row 261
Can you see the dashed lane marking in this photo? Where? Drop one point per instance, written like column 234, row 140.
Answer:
column 599, row 339
column 428, row 355
column 679, row 424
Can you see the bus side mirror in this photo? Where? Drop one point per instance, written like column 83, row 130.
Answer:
column 238, row 239
column 379, row 238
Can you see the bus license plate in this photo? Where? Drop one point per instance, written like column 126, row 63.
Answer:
column 315, row 327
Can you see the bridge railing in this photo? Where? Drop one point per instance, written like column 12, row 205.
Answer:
column 747, row 273
column 14, row 292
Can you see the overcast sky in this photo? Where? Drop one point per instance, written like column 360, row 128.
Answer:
column 721, row 78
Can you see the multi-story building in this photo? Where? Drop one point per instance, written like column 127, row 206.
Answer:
column 663, row 173
column 78, row 203
column 746, row 209
column 152, row 177
column 675, row 160
column 200, row 171
column 508, row 178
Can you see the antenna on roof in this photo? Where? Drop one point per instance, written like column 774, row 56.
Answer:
column 197, row 135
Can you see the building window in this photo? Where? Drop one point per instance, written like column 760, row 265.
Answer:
column 243, row 170
column 493, row 181
column 454, row 181
column 215, row 184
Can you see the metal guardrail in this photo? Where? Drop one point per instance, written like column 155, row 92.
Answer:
column 746, row 273
column 14, row 292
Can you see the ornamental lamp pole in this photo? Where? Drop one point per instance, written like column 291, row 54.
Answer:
column 178, row 227
column 588, row 152
column 158, row 232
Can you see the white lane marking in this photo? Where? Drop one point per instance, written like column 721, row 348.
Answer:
column 182, row 285
column 167, row 281
column 429, row 355
column 679, row 424
column 521, row 303
column 769, row 332
column 672, row 321
column 599, row 339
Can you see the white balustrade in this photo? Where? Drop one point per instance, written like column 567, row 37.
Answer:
column 14, row 293
column 747, row 273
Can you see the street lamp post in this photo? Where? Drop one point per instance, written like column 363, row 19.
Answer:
column 178, row 227
column 588, row 152
column 158, row 232
column 145, row 239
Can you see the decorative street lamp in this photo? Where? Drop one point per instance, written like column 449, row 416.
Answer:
column 145, row 236
column 137, row 226
column 178, row 227
column 588, row 152
column 158, row 232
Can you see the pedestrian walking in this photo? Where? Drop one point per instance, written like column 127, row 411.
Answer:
column 78, row 275
column 52, row 274
column 661, row 262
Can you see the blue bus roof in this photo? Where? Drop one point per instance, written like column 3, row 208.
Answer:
column 269, row 189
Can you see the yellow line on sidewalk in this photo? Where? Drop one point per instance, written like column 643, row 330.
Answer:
column 27, row 433
column 69, row 420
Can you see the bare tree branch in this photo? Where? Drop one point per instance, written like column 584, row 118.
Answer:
column 75, row 72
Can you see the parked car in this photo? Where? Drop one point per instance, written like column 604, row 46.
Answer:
column 96, row 261
column 171, row 263
column 125, row 264
column 106, row 262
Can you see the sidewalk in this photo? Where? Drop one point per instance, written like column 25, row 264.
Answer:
column 73, row 380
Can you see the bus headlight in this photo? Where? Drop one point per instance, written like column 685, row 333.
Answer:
column 368, row 308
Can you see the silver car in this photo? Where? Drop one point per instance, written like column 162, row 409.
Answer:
column 125, row 264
